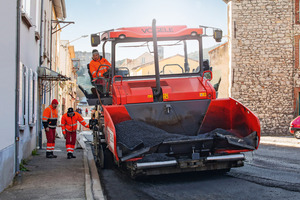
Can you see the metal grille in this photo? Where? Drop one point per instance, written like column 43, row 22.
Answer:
column 47, row 85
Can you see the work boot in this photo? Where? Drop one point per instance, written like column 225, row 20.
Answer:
column 72, row 156
column 54, row 156
column 69, row 155
column 49, row 155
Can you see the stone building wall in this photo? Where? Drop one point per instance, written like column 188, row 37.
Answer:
column 262, row 66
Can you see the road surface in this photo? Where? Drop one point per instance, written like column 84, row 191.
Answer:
column 272, row 172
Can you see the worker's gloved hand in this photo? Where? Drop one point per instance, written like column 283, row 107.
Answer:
column 106, row 74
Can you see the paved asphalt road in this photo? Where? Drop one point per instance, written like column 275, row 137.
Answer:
column 272, row 172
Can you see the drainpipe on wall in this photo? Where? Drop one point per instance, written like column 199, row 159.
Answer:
column 51, row 29
column 40, row 91
column 51, row 6
column 41, row 32
column 17, row 130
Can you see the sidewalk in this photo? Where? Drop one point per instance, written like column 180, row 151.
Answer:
column 58, row 178
column 287, row 141
column 62, row 178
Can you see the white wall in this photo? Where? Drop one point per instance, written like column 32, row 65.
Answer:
column 7, row 90
column 29, row 61
column 29, row 57
column 8, row 72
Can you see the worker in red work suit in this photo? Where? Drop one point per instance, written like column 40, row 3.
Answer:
column 49, row 120
column 69, row 127
column 86, row 112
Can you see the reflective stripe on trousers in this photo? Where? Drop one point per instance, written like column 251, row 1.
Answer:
column 70, row 141
column 50, row 139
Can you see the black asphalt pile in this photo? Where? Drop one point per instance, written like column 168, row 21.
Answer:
column 248, row 142
column 133, row 135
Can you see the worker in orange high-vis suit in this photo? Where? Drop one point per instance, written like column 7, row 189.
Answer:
column 69, row 127
column 49, row 120
column 96, row 62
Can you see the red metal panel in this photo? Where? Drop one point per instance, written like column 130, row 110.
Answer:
column 230, row 115
column 146, row 32
column 113, row 115
column 110, row 133
column 190, row 88
column 174, row 89
column 117, row 113
column 231, row 151
column 138, row 94
column 119, row 95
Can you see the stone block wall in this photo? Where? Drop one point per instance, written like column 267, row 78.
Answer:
column 263, row 69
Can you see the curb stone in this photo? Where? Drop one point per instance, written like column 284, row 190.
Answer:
column 93, row 188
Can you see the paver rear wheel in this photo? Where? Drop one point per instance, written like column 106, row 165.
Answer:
column 297, row 134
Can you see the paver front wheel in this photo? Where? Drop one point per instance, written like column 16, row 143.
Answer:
column 106, row 158
column 101, row 156
column 297, row 134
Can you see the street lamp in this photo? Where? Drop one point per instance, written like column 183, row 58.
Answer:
column 83, row 36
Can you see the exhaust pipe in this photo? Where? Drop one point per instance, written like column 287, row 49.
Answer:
column 148, row 165
column 226, row 157
column 157, row 92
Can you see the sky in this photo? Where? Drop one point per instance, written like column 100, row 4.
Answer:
column 92, row 16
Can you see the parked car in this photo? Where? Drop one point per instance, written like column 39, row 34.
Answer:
column 295, row 127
